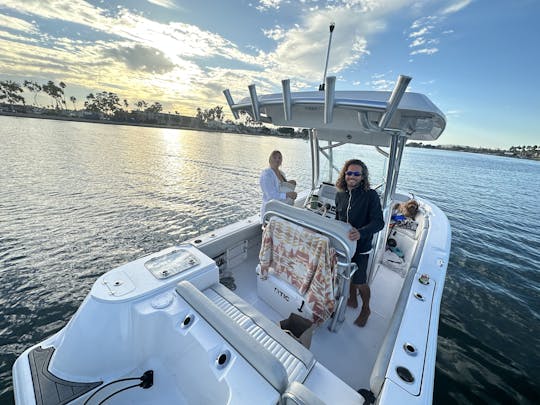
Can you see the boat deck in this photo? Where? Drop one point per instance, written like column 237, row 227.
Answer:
column 349, row 353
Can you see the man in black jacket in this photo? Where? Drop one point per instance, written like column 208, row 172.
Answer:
column 359, row 205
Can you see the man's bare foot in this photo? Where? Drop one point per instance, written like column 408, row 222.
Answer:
column 363, row 317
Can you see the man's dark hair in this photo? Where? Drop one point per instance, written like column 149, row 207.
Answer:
column 341, row 184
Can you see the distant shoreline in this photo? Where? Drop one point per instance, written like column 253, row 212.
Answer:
column 240, row 130
column 247, row 131
column 107, row 122
column 529, row 154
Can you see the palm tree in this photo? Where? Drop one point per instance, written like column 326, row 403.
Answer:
column 219, row 113
column 63, row 86
column 73, row 100
column 33, row 87
column 55, row 92
column 9, row 91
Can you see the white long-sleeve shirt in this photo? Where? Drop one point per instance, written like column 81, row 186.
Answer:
column 270, row 188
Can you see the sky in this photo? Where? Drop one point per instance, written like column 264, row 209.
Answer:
column 477, row 60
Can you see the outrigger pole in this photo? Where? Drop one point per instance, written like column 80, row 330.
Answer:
column 321, row 86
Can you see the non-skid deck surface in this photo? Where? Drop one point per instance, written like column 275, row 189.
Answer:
column 349, row 353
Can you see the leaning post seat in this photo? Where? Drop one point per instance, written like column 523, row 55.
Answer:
column 277, row 290
column 276, row 356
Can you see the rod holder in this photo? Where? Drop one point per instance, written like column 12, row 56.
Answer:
column 287, row 105
column 230, row 101
column 329, row 99
column 395, row 98
column 254, row 102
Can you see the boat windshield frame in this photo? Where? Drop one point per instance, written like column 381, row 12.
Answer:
column 392, row 164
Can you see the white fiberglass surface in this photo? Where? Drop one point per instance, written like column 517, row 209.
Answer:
column 349, row 353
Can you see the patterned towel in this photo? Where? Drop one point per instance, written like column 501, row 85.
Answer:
column 304, row 259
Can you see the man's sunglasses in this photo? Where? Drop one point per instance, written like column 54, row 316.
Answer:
column 355, row 174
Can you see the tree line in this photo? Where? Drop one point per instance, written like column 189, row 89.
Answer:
column 524, row 151
column 105, row 102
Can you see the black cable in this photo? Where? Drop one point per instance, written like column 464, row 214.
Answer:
column 147, row 380
column 119, row 391
column 106, row 385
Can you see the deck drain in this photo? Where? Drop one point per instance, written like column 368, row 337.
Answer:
column 187, row 321
column 405, row 374
column 222, row 359
column 409, row 349
column 419, row 296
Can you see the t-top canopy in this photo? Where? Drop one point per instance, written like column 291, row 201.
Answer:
column 346, row 116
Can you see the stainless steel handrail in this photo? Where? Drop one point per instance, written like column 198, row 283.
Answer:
column 343, row 242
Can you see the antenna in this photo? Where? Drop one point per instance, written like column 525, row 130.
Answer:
column 321, row 86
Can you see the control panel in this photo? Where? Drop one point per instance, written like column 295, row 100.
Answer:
column 323, row 200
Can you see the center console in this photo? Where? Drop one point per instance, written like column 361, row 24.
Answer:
column 323, row 200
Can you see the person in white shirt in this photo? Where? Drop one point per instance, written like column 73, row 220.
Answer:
column 274, row 184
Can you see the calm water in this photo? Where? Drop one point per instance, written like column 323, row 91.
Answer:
column 78, row 199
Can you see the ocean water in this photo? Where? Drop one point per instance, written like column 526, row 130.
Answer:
column 79, row 199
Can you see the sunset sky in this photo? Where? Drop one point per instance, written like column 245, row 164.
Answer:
column 476, row 59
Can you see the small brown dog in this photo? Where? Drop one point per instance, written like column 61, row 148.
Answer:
column 408, row 208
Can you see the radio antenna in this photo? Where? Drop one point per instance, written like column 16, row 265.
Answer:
column 321, row 87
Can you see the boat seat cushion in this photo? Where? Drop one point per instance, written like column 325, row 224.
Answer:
column 258, row 325
column 247, row 330
column 412, row 227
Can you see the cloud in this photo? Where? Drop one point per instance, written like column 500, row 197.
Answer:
column 76, row 11
column 455, row 7
column 301, row 50
column 379, row 82
column 164, row 3
column 382, row 84
column 268, row 4
column 9, row 37
column 425, row 51
column 175, row 63
column 424, row 31
column 16, row 24
column 453, row 113
column 143, row 58
column 417, row 42
column 422, row 35
column 275, row 33
column 136, row 57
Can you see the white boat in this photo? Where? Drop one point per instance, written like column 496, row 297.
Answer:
column 162, row 329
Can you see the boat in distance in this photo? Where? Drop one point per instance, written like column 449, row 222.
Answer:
column 205, row 321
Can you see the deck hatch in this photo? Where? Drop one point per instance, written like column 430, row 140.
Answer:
column 171, row 263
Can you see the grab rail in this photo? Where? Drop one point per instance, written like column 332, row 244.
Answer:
column 274, row 207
